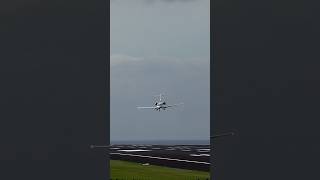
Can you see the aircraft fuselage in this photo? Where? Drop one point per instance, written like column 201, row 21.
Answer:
column 160, row 105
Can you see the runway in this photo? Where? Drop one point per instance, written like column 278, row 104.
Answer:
column 194, row 157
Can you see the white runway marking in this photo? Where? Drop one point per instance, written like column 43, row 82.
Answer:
column 199, row 154
column 203, row 150
column 152, row 157
column 133, row 150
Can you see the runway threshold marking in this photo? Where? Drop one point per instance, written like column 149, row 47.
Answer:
column 170, row 159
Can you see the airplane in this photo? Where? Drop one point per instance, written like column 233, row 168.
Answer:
column 161, row 104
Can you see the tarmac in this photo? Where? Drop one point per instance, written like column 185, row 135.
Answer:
column 193, row 157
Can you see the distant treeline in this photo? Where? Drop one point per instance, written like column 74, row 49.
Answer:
column 163, row 142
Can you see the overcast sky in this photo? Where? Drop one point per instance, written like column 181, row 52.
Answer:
column 157, row 47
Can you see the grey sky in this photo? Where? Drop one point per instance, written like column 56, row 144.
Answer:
column 160, row 46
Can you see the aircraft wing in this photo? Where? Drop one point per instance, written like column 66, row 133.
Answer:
column 174, row 105
column 146, row 107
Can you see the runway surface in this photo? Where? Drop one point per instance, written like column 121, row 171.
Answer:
column 195, row 157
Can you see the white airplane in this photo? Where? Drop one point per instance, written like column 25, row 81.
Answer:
column 160, row 105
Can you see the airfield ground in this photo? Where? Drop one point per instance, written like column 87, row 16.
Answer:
column 192, row 157
column 188, row 157
column 131, row 170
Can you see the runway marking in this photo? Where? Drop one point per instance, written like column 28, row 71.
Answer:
column 199, row 154
column 203, row 150
column 170, row 159
column 133, row 150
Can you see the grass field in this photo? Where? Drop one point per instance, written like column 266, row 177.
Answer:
column 129, row 170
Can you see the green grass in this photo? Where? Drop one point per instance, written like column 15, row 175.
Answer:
column 130, row 170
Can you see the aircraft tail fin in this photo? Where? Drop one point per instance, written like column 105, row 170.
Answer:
column 160, row 96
